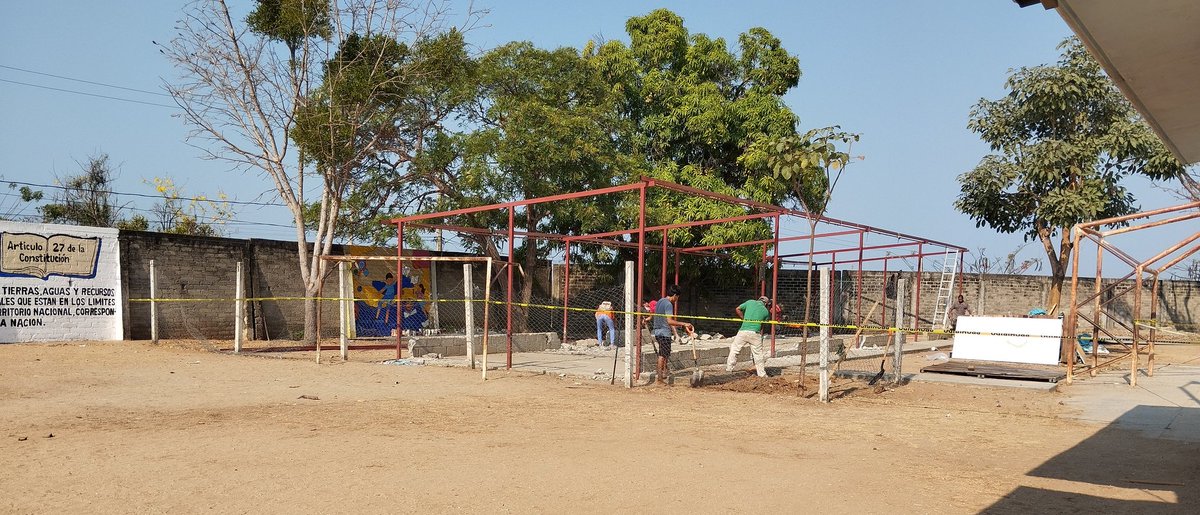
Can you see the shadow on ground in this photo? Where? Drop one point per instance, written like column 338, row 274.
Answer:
column 1164, row 472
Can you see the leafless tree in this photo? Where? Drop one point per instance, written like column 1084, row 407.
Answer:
column 242, row 92
column 1191, row 184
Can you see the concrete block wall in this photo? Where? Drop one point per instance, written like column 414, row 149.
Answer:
column 61, row 283
column 199, row 267
column 187, row 267
column 274, row 272
column 456, row 345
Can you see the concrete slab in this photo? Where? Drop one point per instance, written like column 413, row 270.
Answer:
column 593, row 362
column 1043, row 386
column 1164, row 406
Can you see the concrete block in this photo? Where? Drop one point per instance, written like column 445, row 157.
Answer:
column 456, row 345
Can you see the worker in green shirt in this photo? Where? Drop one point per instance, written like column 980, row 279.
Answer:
column 752, row 312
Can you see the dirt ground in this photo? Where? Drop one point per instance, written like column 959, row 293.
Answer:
column 131, row 427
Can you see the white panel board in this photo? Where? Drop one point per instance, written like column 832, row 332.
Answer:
column 59, row 282
column 1017, row 340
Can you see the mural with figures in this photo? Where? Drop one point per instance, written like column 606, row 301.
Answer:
column 385, row 303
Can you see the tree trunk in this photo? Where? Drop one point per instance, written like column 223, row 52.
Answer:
column 521, row 321
column 529, row 272
column 1059, row 261
column 310, row 318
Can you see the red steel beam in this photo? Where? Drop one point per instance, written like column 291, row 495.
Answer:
column 876, row 230
column 521, row 203
column 712, row 195
column 680, row 225
column 834, row 251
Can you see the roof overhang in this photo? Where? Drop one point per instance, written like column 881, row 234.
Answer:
column 1151, row 50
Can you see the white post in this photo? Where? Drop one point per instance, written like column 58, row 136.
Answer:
column 239, row 310
column 487, row 309
column 898, row 358
column 434, row 311
column 343, row 310
column 153, row 305
column 630, row 323
column 823, row 392
column 469, row 311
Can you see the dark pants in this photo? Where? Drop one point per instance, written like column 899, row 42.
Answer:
column 664, row 346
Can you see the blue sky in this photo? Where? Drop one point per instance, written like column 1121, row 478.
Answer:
column 903, row 74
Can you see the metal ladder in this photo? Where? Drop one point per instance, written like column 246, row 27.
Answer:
column 941, row 306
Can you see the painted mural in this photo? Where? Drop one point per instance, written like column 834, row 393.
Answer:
column 385, row 303
column 59, row 282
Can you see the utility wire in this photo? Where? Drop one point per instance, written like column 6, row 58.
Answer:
column 214, row 219
column 143, row 195
column 85, row 81
column 89, row 94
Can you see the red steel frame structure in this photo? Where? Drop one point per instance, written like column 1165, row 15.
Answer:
column 1091, row 232
column 756, row 211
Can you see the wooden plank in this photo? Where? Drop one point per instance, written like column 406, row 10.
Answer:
column 985, row 369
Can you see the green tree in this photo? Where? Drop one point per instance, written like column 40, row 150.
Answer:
column 14, row 209
column 136, row 222
column 1064, row 138
column 810, row 165
column 85, row 199
column 691, row 108
column 380, row 110
column 291, row 22
column 543, row 125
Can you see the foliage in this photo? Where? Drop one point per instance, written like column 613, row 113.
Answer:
column 1064, row 138
column 137, row 222
column 245, row 95
column 197, row 215
column 690, row 108
column 378, row 115
column 810, row 164
column 11, row 210
column 84, row 199
column 291, row 21
column 532, row 122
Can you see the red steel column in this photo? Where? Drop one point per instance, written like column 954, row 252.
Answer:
column 832, row 285
column 399, row 285
column 775, row 283
column 566, row 289
column 858, row 282
column 508, row 304
column 762, row 285
column 641, row 262
column 676, row 267
column 917, row 288
column 663, row 272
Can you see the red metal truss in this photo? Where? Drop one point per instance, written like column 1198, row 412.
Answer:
column 752, row 211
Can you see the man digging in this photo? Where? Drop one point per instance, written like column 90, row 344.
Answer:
column 663, row 330
column 752, row 312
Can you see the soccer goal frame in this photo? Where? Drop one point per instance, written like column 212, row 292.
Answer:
column 345, row 300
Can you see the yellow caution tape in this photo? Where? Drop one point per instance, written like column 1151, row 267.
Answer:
column 787, row 324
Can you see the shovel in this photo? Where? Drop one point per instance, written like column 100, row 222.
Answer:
column 697, row 379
